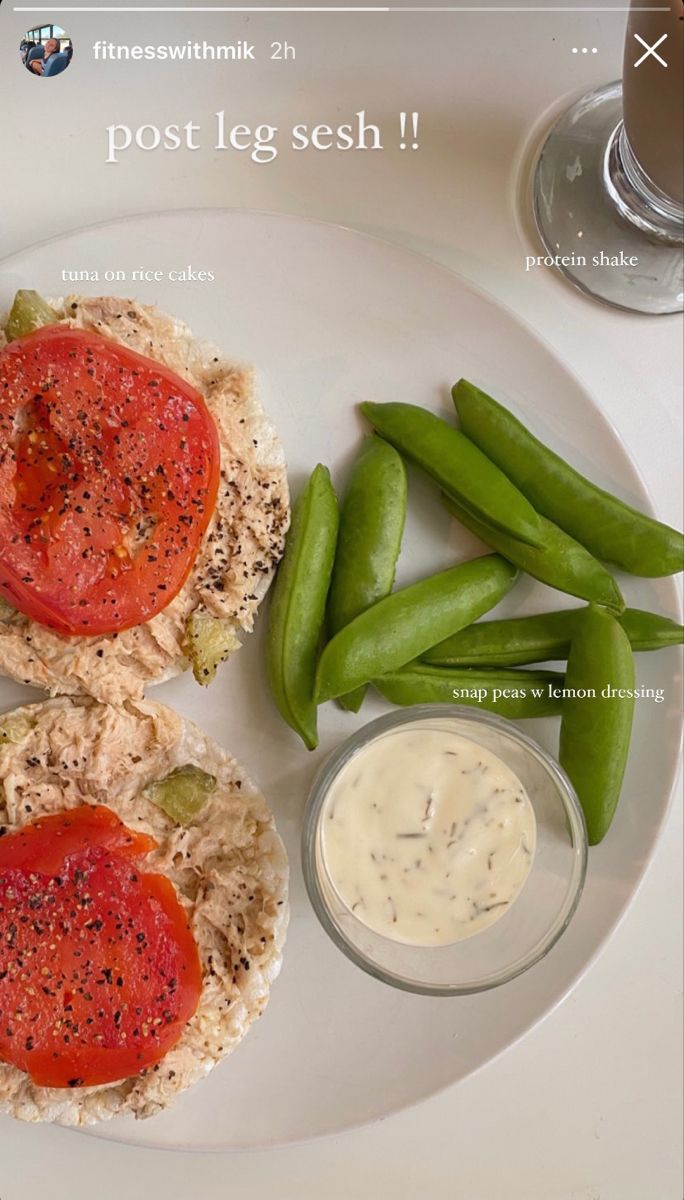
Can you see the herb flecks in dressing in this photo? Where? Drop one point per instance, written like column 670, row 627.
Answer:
column 429, row 838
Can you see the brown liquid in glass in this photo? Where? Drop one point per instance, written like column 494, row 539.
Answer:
column 653, row 96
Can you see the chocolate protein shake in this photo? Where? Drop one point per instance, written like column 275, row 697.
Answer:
column 653, row 95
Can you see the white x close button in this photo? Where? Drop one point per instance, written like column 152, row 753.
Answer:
column 650, row 50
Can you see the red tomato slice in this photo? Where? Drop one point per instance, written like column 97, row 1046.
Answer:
column 99, row 971
column 109, row 470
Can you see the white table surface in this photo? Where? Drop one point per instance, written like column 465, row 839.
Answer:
column 588, row 1106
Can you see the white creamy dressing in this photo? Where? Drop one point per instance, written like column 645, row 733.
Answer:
column 428, row 837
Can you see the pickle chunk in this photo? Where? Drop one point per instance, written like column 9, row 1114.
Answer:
column 6, row 610
column 182, row 794
column 208, row 642
column 14, row 729
column 28, row 312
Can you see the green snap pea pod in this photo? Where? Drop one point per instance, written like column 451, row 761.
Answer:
column 298, row 605
column 608, row 527
column 513, row 694
column 596, row 727
column 546, row 636
column 650, row 631
column 371, row 528
column 561, row 562
column 28, row 312
column 403, row 625
column 457, row 465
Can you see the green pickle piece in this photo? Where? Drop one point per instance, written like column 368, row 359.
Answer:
column 208, row 642
column 6, row 610
column 14, row 728
column 28, row 313
column 183, row 793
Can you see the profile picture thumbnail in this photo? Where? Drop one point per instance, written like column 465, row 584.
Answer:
column 46, row 50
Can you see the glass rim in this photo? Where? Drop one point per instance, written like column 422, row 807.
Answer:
column 318, row 793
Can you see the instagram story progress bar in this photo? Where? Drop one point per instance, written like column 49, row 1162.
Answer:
column 341, row 8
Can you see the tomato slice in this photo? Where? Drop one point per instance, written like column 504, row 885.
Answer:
column 109, row 470
column 99, row 971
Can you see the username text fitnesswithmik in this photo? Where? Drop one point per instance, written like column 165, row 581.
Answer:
column 241, row 50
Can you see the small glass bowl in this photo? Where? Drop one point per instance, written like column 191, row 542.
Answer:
column 536, row 919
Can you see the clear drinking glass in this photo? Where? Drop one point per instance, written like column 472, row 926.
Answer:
column 609, row 182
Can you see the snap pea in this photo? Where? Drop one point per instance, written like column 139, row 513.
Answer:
column 595, row 727
column 609, row 528
column 513, row 694
column 543, row 637
column 403, row 625
column 371, row 528
column 456, row 464
column 561, row 562
column 298, row 605
column 28, row 312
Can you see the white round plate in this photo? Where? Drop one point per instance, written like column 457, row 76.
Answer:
column 332, row 317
